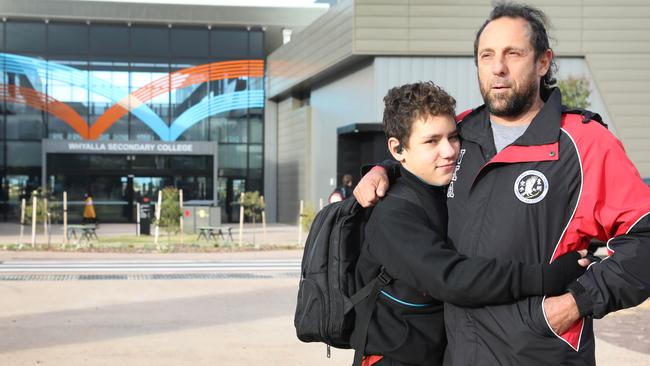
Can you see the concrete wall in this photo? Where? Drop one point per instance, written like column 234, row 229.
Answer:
column 294, row 121
column 417, row 27
column 348, row 100
column 613, row 37
column 328, row 42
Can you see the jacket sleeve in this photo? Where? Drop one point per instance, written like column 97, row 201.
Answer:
column 399, row 237
column 621, row 214
column 391, row 166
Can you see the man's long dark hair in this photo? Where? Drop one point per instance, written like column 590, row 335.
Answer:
column 538, row 36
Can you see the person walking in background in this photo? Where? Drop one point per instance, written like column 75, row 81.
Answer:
column 89, row 214
column 343, row 191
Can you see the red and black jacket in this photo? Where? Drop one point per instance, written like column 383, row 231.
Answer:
column 563, row 182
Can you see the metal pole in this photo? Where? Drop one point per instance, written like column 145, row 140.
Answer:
column 137, row 218
column 33, row 220
column 22, row 223
column 45, row 219
column 158, row 217
column 241, row 218
column 320, row 203
column 65, row 219
column 263, row 219
column 180, row 205
column 302, row 207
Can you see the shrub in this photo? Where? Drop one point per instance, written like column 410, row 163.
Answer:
column 253, row 206
column 170, row 211
column 575, row 92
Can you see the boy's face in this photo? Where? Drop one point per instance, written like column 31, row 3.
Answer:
column 432, row 149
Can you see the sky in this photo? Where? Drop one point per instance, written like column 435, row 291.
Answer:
column 279, row 3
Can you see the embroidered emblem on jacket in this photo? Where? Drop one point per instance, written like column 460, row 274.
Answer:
column 531, row 186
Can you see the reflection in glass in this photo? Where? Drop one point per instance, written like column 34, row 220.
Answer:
column 109, row 79
column 189, row 101
column 149, row 83
column 67, row 83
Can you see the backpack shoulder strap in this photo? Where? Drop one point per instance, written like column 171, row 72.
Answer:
column 365, row 309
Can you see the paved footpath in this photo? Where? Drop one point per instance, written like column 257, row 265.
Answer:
column 224, row 320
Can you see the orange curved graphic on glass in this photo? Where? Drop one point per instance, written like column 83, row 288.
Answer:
column 41, row 101
column 176, row 80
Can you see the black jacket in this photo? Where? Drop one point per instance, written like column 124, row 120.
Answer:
column 409, row 241
column 562, row 183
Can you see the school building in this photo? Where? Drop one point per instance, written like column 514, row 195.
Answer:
column 121, row 99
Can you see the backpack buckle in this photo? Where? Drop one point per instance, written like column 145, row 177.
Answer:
column 384, row 277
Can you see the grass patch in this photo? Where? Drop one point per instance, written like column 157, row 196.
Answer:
column 145, row 244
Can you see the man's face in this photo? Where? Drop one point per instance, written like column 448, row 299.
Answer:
column 432, row 149
column 508, row 73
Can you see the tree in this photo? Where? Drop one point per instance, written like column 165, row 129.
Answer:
column 41, row 213
column 170, row 211
column 575, row 92
column 253, row 205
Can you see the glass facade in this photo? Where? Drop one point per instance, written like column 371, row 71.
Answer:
column 115, row 82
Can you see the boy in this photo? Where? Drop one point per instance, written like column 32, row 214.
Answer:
column 406, row 237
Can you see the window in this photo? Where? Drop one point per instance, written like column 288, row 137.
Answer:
column 21, row 154
column 109, row 40
column 150, row 41
column 25, row 37
column 256, row 44
column 229, row 43
column 232, row 159
column 189, row 42
column 67, row 39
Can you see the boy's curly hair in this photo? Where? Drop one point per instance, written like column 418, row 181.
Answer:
column 404, row 104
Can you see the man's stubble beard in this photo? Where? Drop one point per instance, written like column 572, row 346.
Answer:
column 519, row 101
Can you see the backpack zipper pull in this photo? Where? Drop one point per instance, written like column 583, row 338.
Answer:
column 329, row 352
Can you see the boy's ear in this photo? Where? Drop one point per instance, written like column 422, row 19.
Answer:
column 395, row 149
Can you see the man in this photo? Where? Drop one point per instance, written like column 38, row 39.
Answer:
column 528, row 173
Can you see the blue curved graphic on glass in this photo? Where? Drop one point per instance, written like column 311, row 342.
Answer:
column 211, row 105
column 32, row 67
column 37, row 70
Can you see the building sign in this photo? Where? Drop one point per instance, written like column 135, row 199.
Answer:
column 129, row 147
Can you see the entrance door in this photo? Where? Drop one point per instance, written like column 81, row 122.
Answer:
column 229, row 192
column 128, row 195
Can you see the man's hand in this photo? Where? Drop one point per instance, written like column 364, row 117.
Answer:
column 561, row 312
column 372, row 187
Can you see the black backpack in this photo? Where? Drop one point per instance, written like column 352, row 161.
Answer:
column 327, row 293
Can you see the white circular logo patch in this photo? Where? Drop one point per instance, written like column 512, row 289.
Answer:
column 531, row 186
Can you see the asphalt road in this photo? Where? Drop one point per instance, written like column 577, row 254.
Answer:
column 237, row 317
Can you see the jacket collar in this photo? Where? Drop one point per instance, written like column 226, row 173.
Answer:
column 544, row 128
